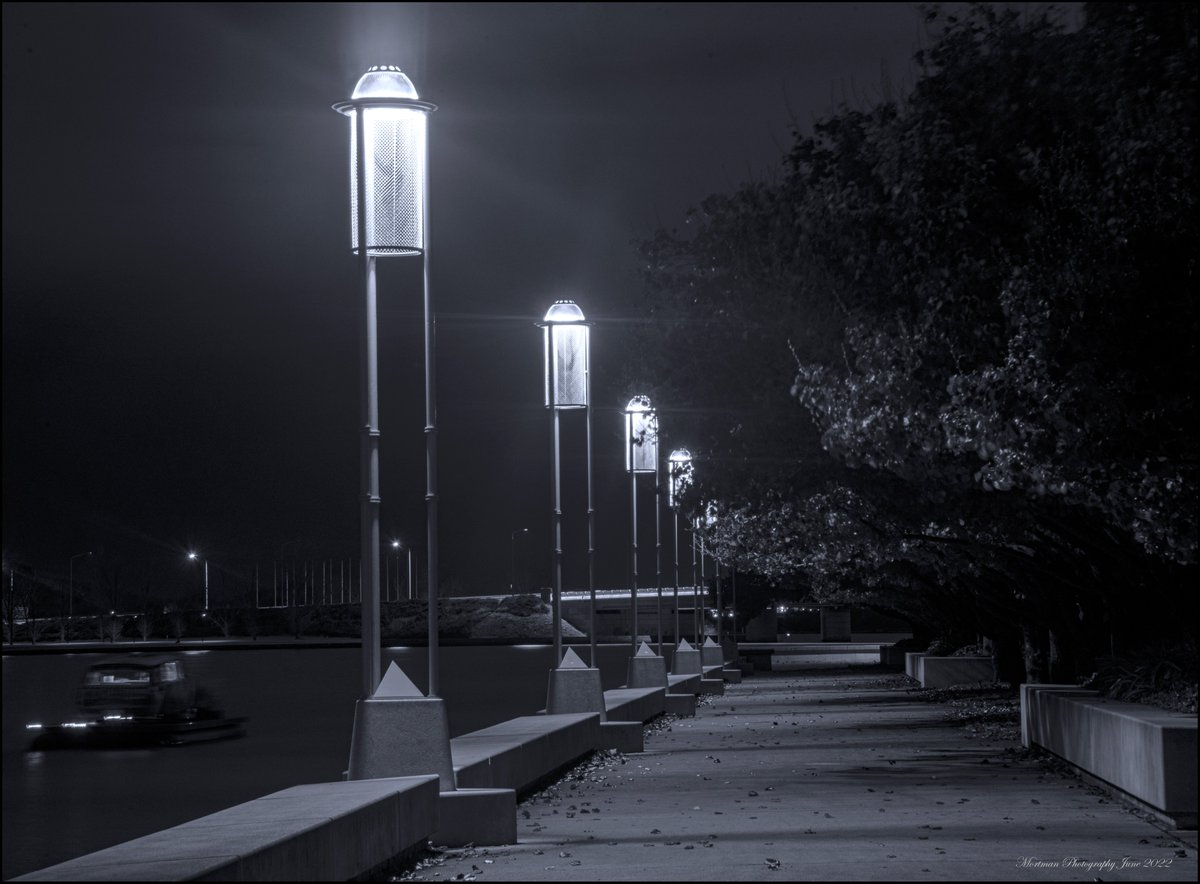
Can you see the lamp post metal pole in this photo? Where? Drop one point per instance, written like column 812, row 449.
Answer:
column 733, row 589
column 556, row 602
column 675, row 535
column 431, row 501
column 633, row 589
column 695, row 595
column 720, row 607
column 369, row 410
column 591, row 520
column 658, row 550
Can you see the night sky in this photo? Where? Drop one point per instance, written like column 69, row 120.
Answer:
column 181, row 308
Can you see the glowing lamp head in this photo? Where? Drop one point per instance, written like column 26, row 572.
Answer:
column 567, row 355
column 386, row 110
column 680, row 467
column 641, row 436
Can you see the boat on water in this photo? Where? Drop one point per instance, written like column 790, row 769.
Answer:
column 139, row 700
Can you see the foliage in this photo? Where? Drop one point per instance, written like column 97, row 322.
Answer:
column 983, row 300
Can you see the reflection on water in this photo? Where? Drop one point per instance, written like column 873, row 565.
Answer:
column 300, row 704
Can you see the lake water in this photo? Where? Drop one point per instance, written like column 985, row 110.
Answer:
column 300, row 704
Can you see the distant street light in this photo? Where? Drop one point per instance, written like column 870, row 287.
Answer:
column 641, row 456
column 512, row 549
column 408, row 579
column 679, row 476
column 193, row 557
column 389, row 204
column 71, row 585
column 568, row 387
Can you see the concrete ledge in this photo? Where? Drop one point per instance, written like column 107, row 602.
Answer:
column 713, row 672
column 943, row 672
column 624, row 736
column 635, row 704
column 683, row 684
column 712, row 686
column 522, row 753
column 318, row 832
column 686, row 661
column 910, row 662
column 680, row 704
column 733, row 676
column 1035, row 720
column 1147, row 753
column 891, row 657
column 477, row 816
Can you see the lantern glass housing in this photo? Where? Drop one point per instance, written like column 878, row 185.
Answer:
column 680, row 466
column 641, row 436
column 394, row 140
column 566, row 348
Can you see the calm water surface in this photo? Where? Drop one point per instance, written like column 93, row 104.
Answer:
column 300, row 705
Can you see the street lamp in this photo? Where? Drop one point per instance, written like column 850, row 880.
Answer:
column 568, row 387
column 679, row 475
column 397, row 545
column 641, row 456
column 710, row 519
column 389, row 206
column 512, row 551
column 71, row 584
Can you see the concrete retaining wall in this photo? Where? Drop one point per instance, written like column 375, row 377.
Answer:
column 1146, row 752
column 634, row 704
column 319, row 832
column 521, row 753
column 910, row 662
column 942, row 672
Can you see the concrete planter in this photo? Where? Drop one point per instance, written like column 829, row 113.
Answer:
column 910, row 662
column 1148, row 753
column 943, row 672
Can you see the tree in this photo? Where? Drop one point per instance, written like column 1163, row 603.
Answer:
column 984, row 297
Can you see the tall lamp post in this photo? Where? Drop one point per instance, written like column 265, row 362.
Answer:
column 679, row 473
column 193, row 556
column 389, row 205
column 567, row 385
column 71, row 583
column 408, row 578
column 641, row 456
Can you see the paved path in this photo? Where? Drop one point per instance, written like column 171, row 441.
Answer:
column 825, row 776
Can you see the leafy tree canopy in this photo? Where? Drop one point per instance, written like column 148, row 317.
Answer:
column 983, row 299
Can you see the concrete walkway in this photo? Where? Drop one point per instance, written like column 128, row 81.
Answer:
column 824, row 775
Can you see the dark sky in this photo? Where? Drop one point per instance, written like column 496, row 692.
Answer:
column 181, row 308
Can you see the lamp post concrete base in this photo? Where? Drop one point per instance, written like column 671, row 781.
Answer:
column 686, row 660
column 575, row 687
column 711, row 653
column 646, row 669
column 400, row 733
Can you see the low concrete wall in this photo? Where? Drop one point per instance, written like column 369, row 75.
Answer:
column 1145, row 752
column 524, row 752
column 683, row 684
column 943, row 672
column 910, row 662
column 634, row 704
column 319, row 832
